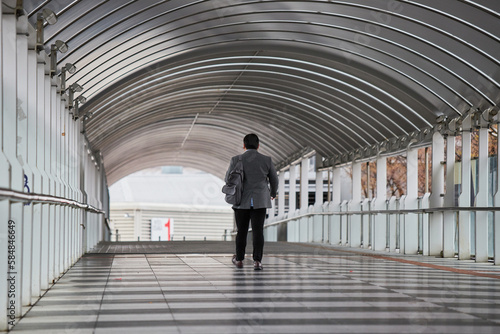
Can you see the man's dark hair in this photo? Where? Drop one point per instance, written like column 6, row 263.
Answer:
column 251, row 141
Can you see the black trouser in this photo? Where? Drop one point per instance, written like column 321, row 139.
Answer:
column 243, row 218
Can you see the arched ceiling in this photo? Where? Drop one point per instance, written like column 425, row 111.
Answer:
column 180, row 82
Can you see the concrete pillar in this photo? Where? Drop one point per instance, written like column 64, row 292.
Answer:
column 52, row 167
column 335, row 221
column 65, row 192
column 354, row 227
column 319, row 180
column 71, row 134
column 435, row 200
column 292, row 195
column 13, row 225
column 482, row 198
column 82, row 177
column 380, row 203
column 60, row 188
column 44, row 152
column 4, row 205
column 39, row 175
column 449, row 217
column 137, row 224
column 464, row 235
column 336, row 185
column 26, row 91
column 411, row 202
column 281, row 193
column 304, row 184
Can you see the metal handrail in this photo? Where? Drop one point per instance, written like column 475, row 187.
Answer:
column 18, row 196
column 402, row 211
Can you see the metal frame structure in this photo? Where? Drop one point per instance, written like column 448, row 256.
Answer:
column 441, row 223
column 334, row 76
column 93, row 90
column 53, row 190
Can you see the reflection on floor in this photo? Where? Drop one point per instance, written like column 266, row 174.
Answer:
column 302, row 289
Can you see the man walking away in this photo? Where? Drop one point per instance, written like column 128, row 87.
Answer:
column 260, row 185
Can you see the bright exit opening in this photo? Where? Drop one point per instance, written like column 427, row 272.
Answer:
column 169, row 203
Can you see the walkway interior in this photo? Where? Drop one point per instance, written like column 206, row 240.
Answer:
column 192, row 287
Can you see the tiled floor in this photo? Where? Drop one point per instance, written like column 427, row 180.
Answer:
column 302, row 289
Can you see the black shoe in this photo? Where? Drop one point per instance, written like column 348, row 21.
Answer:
column 257, row 265
column 238, row 264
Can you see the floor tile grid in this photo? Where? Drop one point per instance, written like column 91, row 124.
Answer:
column 247, row 307
column 436, row 281
column 211, row 307
column 349, row 301
column 246, row 301
column 73, row 303
column 134, row 299
column 294, row 293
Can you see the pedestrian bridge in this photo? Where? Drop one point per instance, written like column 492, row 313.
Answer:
column 192, row 287
column 380, row 116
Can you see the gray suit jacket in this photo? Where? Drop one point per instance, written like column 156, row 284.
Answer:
column 260, row 182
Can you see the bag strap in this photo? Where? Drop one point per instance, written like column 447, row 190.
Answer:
column 240, row 160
